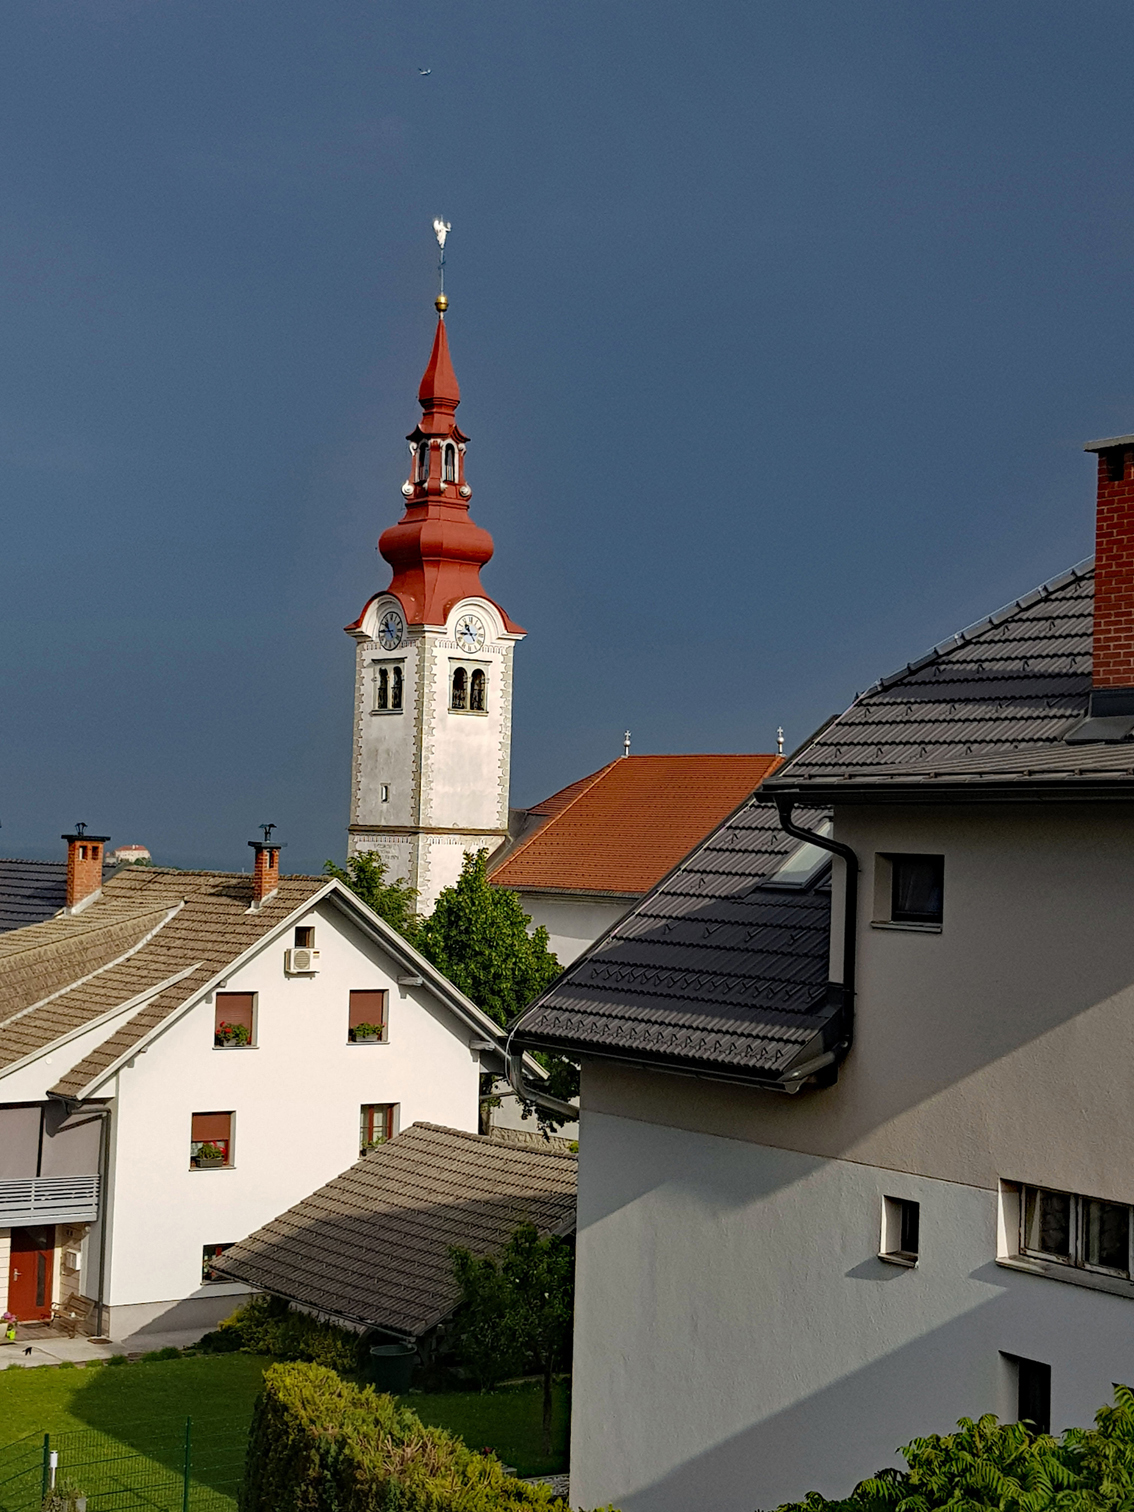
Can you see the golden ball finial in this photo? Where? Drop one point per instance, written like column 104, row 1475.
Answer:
column 441, row 304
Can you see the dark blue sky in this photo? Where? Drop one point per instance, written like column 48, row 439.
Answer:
column 779, row 329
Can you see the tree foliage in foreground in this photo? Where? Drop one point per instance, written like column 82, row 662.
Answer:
column 393, row 901
column 1006, row 1467
column 516, row 1312
column 478, row 936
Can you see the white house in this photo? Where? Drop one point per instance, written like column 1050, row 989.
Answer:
column 856, row 1155
column 183, row 1055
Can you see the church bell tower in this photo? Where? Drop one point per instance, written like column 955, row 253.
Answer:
column 433, row 680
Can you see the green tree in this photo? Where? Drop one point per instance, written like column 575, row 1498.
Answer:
column 478, row 936
column 516, row 1311
column 392, row 901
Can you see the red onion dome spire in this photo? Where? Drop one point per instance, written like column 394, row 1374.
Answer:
column 436, row 550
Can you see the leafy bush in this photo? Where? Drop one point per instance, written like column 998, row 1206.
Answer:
column 321, row 1444
column 1005, row 1466
column 266, row 1325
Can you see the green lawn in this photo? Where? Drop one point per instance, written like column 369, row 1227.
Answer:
column 156, row 1394
column 112, row 1413
column 508, row 1420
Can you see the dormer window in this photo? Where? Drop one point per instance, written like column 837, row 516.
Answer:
column 449, row 469
column 422, row 461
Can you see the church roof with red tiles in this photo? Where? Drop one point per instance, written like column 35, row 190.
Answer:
column 621, row 829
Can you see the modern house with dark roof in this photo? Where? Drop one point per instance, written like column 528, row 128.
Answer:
column 585, row 855
column 183, row 1056
column 856, row 1155
column 370, row 1249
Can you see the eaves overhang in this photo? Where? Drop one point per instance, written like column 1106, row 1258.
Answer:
column 952, row 789
column 812, row 1063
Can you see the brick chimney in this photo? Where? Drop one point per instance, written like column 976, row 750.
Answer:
column 84, row 867
column 1112, row 667
column 266, row 869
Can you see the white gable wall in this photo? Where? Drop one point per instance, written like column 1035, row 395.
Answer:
column 295, row 1096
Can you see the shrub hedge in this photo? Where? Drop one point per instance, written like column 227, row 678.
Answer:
column 266, row 1325
column 988, row 1464
column 321, row 1444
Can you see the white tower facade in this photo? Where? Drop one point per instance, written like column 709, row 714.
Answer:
column 433, row 679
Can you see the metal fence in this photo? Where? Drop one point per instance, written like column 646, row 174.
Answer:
column 192, row 1467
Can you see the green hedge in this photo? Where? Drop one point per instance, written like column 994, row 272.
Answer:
column 989, row 1464
column 321, row 1444
column 266, row 1325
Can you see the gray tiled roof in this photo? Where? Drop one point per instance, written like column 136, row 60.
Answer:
column 30, row 891
column 711, row 972
column 717, row 969
column 372, row 1246
column 989, row 709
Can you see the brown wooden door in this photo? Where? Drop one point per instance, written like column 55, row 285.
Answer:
column 29, row 1272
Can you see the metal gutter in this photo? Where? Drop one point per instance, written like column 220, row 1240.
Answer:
column 843, row 992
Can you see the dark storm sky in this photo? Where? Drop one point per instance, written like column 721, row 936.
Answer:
column 779, row 328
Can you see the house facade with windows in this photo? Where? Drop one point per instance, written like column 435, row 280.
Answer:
column 855, row 1157
column 183, row 1055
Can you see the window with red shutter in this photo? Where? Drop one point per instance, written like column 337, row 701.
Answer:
column 234, row 1020
column 210, row 1141
column 366, row 1024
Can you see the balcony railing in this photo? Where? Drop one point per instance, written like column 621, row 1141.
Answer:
column 48, row 1199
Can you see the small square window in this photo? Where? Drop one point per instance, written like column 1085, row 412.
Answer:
column 366, row 1024
column 917, row 889
column 901, row 1230
column 210, row 1141
column 234, row 1020
column 210, row 1253
column 377, row 1124
column 384, row 792
column 305, row 937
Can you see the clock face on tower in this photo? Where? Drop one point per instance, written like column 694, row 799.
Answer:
column 390, row 629
column 470, row 633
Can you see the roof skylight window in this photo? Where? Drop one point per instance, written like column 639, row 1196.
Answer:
column 804, row 864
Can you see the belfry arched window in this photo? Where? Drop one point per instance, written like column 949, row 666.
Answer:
column 422, row 461
column 396, row 688
column 476, row 691
column 382, row 701
column 449, row 473
column 460, row 699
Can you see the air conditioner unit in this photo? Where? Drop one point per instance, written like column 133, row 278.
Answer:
column 300, row 961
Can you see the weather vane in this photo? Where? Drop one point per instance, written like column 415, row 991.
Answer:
column 441, row 229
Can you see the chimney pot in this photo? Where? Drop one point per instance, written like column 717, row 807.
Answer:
column 85, row 855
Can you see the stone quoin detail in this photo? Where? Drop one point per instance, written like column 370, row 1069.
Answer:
column 429, row 779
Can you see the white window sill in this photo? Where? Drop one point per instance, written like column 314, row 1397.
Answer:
column 475, row 713
column 910, row 927
column 909, row 1261
column 200, row 1170
column 387, row 711
column 1115, row 1285
column 236, row 1047
column 365, row 1044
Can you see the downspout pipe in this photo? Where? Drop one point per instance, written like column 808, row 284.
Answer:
column 850, row 903
column 514, row 1065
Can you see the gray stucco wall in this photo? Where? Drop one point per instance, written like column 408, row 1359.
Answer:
column 1002, row 1047
column 739, row 1343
